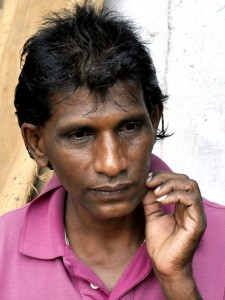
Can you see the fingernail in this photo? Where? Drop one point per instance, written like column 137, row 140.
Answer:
column 161, row 198
column 149, row 177
column 157, row 189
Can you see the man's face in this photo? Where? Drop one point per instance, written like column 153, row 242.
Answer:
column 101, row 154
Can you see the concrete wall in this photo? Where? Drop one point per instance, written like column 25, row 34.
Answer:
column 188, row 48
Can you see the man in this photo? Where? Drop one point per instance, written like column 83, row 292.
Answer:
column 105, row 227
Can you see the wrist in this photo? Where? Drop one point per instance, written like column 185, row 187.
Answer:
column 179, row 286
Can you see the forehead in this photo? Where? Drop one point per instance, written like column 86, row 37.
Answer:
column 122, row 97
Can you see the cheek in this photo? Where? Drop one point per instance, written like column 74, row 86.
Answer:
column 70, row 159
column 71, row 167
column 141, row 150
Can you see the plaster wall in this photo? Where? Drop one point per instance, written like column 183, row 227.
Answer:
column 187, row 42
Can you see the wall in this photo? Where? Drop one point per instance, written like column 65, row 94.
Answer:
column 188, row 48
column 18, row 21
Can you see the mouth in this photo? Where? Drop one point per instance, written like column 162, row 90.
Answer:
column 112, row 189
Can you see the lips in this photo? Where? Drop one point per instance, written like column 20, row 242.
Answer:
column 112, row 188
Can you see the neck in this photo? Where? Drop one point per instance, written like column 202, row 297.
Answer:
column 104, row 245
column 82, row 227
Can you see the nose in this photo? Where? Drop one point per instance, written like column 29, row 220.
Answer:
column 110, row 158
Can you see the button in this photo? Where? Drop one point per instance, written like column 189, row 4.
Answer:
column 94, row 287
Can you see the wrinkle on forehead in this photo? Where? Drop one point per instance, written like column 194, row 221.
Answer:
column 120, row 95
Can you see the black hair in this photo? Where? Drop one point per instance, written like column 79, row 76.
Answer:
column 79, row 47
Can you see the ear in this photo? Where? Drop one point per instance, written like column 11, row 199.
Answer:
column 34, row 141
column 156, row 115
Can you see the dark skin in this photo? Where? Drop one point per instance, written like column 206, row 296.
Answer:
column 178, row 235
column 102, row 158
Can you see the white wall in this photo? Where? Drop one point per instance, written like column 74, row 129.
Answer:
column 188, row 48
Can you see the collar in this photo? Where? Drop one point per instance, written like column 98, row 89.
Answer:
column 43, row 228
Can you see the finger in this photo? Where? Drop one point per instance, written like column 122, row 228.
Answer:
column 152, row 209
column 156, row 179
column 188, row 199
column 188, row 205
column 179, row 213
column 172, row 184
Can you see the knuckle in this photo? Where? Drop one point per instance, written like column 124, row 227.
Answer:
column 193, row 182
column 192, row 185
column 183, row 176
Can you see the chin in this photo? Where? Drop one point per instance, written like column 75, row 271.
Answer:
column 116, row 211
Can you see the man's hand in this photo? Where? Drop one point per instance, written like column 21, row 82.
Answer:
column 172, row 239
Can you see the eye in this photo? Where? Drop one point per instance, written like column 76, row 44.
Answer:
column 80, row 134
column 130, row 126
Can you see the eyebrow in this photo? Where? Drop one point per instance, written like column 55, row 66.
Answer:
column 135, row 117
column 87, row 122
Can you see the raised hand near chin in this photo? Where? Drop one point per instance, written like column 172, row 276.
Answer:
column 172, row 239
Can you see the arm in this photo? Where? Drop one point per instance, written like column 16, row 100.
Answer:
column 171, row 240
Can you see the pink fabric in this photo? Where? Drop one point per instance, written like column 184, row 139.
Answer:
column 36, row 263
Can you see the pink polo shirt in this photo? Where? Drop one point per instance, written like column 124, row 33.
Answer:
column 36, row 263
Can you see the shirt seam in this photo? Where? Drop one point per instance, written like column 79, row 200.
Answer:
column 212, row 205
column 15, row 210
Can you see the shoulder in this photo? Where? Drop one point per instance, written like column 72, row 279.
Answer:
column 213, row 240
column 215, row 214
column 213, row 206
column 11, row 225
column 13, row 217
column 157, row 164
